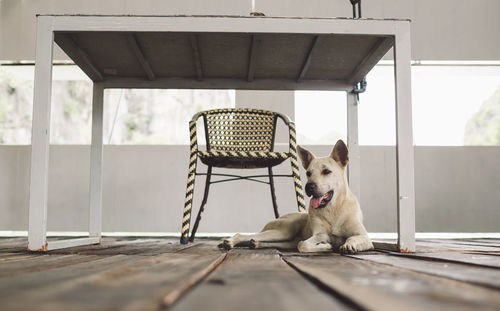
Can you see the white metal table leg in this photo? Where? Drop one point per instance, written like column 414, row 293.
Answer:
column 354, row 173
column 40, row 136
column 404, row 141
column 95, row 211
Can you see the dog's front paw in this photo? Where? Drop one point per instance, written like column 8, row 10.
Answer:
column 225, row 244
column 304, row 247
column 348, row 248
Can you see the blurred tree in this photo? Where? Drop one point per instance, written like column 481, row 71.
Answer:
column 142, row 116
column 483, row 128
column 15, row 109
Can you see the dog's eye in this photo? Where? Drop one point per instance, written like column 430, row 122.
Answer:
column 308, row 174
column 326, row 171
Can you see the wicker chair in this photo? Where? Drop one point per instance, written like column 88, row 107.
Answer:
column 238, row 138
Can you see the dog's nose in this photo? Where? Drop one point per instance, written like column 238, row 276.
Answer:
column 310, row 188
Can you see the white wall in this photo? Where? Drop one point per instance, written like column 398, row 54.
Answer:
column 144, row 185
column 441, row 30
column 144, row 190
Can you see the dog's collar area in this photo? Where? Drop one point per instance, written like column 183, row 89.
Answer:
column 320, row 202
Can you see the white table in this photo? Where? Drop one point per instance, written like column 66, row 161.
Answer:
column 220, row 52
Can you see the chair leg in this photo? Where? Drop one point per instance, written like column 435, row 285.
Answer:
column 273, row 194
column 186, row 218
column 203, row 204
column 298, row 183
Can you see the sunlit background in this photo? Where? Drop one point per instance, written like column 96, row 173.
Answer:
column 454, row 104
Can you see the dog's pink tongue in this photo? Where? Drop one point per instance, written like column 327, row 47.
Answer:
column 315, row 202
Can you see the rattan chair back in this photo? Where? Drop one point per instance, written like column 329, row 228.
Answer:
column 239, row 129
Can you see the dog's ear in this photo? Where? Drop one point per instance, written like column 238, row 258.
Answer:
column 340, row 153
column 305, row 156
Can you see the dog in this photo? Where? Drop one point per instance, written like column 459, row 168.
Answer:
column 334, row 221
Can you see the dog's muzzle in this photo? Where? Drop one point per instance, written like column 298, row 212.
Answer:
column 321, row 201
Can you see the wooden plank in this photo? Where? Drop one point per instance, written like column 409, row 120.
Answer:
column 360, row 296
column 470, row 243
column 17, row 249
column 486, row 242
column 307, row 61
column 69, row 46
column 196, row 56
column 10, row 241
column 137, row 283
column 485, row 253
column 495, row 241
column 466, row 258
column 257, row 280
column 142, row 247
column 136, row 49
column 10, row 244
column 31, row 282
column 5, row 257
column 43, row 262
column 393, row 246
column 373, row 286
column 386, row 246
column 447, row 245
column 477, row 275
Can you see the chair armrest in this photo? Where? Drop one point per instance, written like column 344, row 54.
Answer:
column 197, row 116
column 193, row 136
column 193, row 139
column 283, row 117
column 291, row 131
column 292, row 137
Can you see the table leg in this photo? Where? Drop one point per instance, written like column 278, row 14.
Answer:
column 354, row 170
column 37, row 239
column 404, row 141
column 95, row 211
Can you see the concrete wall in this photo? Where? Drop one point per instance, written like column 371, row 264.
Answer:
column 441, row 30
column 144, row 185
column 144, row 190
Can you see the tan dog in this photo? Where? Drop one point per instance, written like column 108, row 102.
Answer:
column 334, row 220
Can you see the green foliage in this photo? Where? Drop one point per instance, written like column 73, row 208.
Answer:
column 145, row 116
column 72, row 109
column 483, row 128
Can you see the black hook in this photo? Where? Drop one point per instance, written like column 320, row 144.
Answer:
column 360, row 87
column 354, row 3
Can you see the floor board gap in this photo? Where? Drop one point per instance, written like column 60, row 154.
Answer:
column 324, row 287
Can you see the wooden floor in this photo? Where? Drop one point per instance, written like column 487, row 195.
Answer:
column 159, row 273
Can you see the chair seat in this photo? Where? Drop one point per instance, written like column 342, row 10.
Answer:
column 242, row 159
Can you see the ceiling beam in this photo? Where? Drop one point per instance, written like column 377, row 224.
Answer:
column 196, row 56
column 252, row 58
column 69, row 46
column 378, row 50
column 222, row 83
column 136, row 49
column 307, row 62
